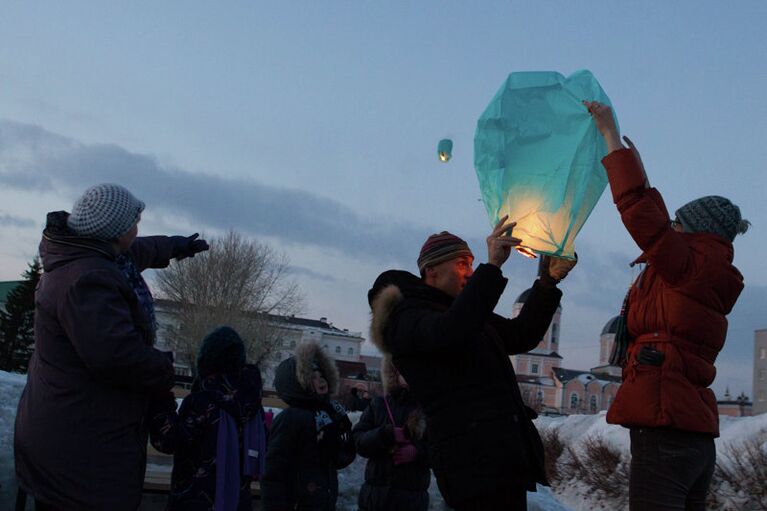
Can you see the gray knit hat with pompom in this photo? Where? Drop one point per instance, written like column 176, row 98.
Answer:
column 105, row 212
column 712, row 214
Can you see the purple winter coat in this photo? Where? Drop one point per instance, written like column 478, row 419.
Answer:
column 80, row 437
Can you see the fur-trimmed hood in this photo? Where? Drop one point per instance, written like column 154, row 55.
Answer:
column 293, row 377
column 391, row 288
column 309, row 356
column 389, row 375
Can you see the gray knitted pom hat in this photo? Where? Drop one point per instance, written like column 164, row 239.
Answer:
column 712, row 214
column 105, row 212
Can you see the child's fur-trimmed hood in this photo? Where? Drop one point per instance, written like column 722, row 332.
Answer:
column 309, row 356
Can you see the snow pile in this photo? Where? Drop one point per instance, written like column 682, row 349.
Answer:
column 11, row 386
column 576, row 432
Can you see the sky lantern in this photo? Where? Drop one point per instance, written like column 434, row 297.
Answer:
column 445, row 149
column 537, row 156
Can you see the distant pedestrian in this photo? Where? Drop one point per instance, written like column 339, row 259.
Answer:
column 391, row 433
column 218, row 437
column 80, row 436
column 310, row 440
column 676, row 325
column 357, row 404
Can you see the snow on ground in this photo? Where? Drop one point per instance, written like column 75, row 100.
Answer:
column 11, row 386
column 573, row 430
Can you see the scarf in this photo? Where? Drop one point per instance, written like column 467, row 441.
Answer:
column 229, row 474
column 128, row 267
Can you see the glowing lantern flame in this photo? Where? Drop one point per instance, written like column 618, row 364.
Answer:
column 526, row 252
column 445, row 149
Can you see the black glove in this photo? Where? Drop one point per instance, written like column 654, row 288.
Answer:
column 188, row 246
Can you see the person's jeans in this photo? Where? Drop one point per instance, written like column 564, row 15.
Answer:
column 670, row 470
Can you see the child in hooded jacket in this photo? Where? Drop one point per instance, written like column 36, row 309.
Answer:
column 391, row 434
column 310, row 440
column 218, row 437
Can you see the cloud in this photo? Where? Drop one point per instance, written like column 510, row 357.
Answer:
column 15, row 221
column 32, row 158
column 300, row 270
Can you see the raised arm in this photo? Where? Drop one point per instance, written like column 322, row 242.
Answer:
column 157, row 251
column 524, row 332
column 642, row 209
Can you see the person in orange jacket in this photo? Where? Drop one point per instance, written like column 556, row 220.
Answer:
column 676, row 325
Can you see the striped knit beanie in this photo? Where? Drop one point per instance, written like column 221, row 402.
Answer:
column 440, row 248
column 105, row 212
column 712, row 214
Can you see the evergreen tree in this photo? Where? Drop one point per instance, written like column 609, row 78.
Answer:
column 17, row 322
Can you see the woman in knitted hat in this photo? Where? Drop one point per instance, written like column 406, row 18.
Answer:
column 94, row 367
column 310, row 440
column 676, row 325
column 391, row 434
column 218, row 437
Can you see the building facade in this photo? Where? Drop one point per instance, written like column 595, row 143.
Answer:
column 760, row 372
column 738, row 407
column 548, row 387
column 340, row 344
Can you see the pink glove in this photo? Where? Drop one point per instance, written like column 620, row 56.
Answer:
column 399, row 435
column 405, row 454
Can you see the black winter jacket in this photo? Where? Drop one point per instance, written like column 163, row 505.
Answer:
column 301, row 462
column 390, row 487
column 80, row 437
column 454, row 353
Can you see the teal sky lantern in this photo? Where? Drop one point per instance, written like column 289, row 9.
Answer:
column 537, row 156
column 445, row 149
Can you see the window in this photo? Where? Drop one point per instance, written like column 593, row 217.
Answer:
column 540, row 396
column 593, row 404
column 292, row 344
column 573, row 401
column 350, row 351
column 338, row 349
column 534, row 369
column 761, row 374
column 763, row 353
column 325, row 346
column 554, row 332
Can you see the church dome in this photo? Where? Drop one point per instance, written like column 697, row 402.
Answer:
column 526, row 294
column 611, row 327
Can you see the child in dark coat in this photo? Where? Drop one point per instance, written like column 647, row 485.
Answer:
column 310, row 440
column 391, row 434
column 218, row 437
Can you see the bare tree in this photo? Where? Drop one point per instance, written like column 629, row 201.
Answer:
column 239, row 282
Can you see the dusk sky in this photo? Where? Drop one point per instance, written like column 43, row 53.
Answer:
column 313, row 126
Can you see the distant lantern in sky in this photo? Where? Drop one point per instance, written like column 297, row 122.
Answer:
column 445, row 149
column 536, row 153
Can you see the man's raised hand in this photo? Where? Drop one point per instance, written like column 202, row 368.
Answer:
column 500, row 242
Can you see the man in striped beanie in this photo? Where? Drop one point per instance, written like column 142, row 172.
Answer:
column 445, row 339
column 445, row 262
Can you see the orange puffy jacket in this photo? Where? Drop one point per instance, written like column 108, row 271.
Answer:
column 677, row 306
